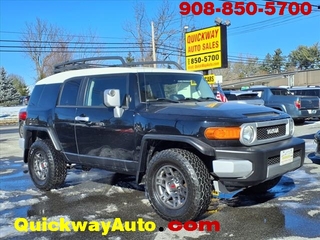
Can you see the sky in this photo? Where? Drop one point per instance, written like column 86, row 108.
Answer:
column 248, row 35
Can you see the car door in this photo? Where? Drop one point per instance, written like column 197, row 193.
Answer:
column 105, row 141
column 65, row 117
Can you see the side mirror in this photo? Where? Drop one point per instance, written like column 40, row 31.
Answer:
column 111, row 98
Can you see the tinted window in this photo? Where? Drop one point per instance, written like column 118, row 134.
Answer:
column 97, row 85
column 44, row 95
column 36, row 94
column 306, row 92
column 247, row 96
column 231, row 96
column 49, row 95
column 70, row 92
column 282, row 92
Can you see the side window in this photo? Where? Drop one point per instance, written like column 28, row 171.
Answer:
column 70, row 92
column 260, row 93
column 97, row 85
column 36, row 94
column 49, row 95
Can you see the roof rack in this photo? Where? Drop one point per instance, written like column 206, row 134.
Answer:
column 84, row 63
column 155, row 62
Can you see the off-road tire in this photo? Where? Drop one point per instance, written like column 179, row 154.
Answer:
column 263, row 187
column 197, row 184
column 47, row 167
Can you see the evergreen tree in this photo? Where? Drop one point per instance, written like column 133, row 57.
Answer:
column 19, row 84
column 305, row 57
column 277, row 61
column 130, row 58
column 9, row 94
column 267, row 64
column 274, row 63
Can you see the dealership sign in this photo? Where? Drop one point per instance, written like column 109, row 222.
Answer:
column 206, row 48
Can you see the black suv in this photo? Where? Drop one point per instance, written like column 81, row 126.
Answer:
column 161, row 125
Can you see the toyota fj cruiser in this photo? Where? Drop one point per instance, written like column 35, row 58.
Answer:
column 162, row 125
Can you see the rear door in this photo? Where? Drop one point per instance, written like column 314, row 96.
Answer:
column 64, row 117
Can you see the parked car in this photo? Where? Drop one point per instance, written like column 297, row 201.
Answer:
column 317, row 140
column 24, row 100
column 307, row 91
column 298, row 107
column 244, row 97
column 22, row 119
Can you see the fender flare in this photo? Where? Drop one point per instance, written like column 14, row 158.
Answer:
column 50, row 131
column 199, row 145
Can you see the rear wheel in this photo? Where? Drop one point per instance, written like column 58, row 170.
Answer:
column 47, row 167
column 178, row 185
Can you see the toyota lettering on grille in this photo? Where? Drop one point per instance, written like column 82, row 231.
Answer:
column 272, row 131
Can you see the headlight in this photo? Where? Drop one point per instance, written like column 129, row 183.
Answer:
column 247, row 135
column 291, row 127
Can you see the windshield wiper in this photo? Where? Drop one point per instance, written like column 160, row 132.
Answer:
column 162, row 100
column 191, row 99
column 209, row 98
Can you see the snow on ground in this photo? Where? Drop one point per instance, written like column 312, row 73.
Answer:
column 10, row 114
column 10, row 111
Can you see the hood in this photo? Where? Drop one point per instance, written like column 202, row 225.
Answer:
column 217, row 110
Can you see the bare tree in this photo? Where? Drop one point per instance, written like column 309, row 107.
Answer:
column 168, row 31
column 48, row 45
column 85, row 45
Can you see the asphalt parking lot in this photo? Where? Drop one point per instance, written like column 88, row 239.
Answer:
column 291, row 210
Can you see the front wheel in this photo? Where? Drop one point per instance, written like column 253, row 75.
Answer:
column 178, row 185
column 47, row 167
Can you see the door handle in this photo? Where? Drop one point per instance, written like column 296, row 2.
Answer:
column 83, row 119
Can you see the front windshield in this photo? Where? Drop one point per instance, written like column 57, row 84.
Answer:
column 174, row 86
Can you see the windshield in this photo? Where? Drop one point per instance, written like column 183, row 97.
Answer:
column 173, row 86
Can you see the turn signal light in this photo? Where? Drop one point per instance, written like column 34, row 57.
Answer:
column 213, row 133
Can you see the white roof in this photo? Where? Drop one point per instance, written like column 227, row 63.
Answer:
column 61, row 77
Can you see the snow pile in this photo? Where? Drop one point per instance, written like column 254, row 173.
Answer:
column 9, row 114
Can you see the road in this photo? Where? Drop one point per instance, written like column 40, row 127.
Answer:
column 291, row 210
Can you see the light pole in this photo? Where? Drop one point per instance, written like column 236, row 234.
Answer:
column 185, row 29
column 153, row 45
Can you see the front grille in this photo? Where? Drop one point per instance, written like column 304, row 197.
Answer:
column 267, row 132
column 276, row 159
column 271, row 131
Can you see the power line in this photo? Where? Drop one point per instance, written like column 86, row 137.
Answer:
column 65, row 42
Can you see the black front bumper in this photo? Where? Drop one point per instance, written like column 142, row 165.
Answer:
column 264, row 160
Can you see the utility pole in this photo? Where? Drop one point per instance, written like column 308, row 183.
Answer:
column 153, row 45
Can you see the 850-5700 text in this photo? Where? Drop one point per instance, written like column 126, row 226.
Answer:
column 199, row 59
